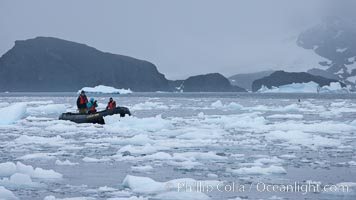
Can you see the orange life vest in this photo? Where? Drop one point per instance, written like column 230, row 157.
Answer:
column 92, row 107
column 83, row 99
column 111, row 104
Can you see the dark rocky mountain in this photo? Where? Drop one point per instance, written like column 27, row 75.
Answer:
column 279, row 78
column 245, row 80
column 323, row 73
column 46, row 64
column 51, row 64
column 334, row 39
column 213, row 82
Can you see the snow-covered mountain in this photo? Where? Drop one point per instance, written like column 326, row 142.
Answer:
column 334, row 39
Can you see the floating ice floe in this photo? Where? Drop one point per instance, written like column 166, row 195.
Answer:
column 20, row 180
column 116, row 123
column 95, row 160
column 47, row 141
column 37, row 156
column 182, row 196
column 143, row 168
column 6, row 194
column 257, row 170
column 20, row 175
column 146, row 149
column 47, row 109
column 65, row 162
column 149, row 106
column 309, row 87
column 302, row 138
column 128, row 198
column 102, row 89
column 146, row 185
column 9, row 168
column 51, row 197
column 285, row 116
column 231, row 106
column 12, row 113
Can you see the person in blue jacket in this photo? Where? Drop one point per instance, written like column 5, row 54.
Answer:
column 91, row 105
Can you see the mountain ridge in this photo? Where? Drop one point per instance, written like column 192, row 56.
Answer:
column 48, row 64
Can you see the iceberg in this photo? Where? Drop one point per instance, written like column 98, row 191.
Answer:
column 335, row 87
column 102, row 89
column 12, row 113
column 309, row 87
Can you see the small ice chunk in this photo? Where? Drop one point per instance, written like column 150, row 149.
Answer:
column 146, row 185
column 144, row 168
column 6, row 194
column 115, row 123
column 46, row 174
column 146, row 149
column 217, row 104
column 106, row 189
column 37, row 156
column 68, row 198
column 88, row 159
column 182, row 196
column 257, row 170
column 21, row 179
column 12, row 113
column 149, row 106
column 128, row 198
column 285, row 116
column 11, row 169
column 65, row 162
column 47, row 109
column 7, row 169
column 352, row 163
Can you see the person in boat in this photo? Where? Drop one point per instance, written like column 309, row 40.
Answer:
column 111, row 104
column 82, row 102
column 91, row 105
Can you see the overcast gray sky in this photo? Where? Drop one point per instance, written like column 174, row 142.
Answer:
column 181, row 37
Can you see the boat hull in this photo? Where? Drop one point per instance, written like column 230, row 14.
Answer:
column 96, row 118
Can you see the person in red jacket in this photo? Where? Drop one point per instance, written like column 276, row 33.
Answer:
column 111, row 104
column 82, row 102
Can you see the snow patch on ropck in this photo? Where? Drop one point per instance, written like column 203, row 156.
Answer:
column 12, row 113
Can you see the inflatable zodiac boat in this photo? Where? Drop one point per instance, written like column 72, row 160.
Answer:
column 97, row 118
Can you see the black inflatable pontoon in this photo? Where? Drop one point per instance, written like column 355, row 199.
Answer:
column 94, row 117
